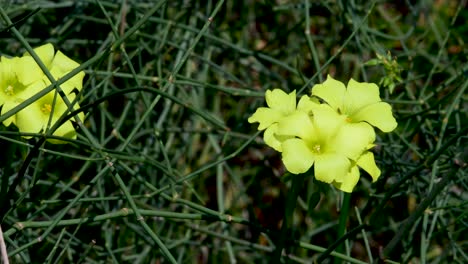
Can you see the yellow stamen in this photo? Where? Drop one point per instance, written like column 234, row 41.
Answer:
column 317, row 148
column 10, row 91
column 46, row 108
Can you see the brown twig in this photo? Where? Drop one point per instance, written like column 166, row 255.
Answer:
column 3, row 249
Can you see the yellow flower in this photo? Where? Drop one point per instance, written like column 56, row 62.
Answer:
column 334, row 137
column 280, row 106
column 359, row 102
column 366, row 162
column 35, row 117
column 21, row 78
column 16, row 75
column 59, row 65
column 320, row 140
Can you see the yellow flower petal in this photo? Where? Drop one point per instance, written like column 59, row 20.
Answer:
column 280, row 105
column 367, row 163
column 75, row 82
column 7, row 106
column 30, row 119
column 330, row 166
column 68, row 86
column 298, row 124
column 377, row 114
column 66, row 130
column 35, row 117
column 350, row 180
column 270, row 138
column 359, row 95
column 64, row 63
column 332, row 91
column 297, row 157
column 20, row 94
column 278, row 99
column 27, row 70
column 306, row 104
column 352, row 140
column 266, row 117
column 45, row 53
column 327, row 122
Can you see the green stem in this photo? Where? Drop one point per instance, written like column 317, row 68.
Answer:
column 344, row 212
column 291, row 198
column 409, row 222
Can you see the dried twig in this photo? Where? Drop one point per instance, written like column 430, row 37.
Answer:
column 3, row 249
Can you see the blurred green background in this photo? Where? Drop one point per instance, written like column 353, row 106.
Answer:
column 170, row 169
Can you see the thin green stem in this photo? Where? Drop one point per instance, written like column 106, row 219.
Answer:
column 310, row 41
column 124, row 212
column 344, row 213
column 423, row 165
column 352, row 233
column 342, row 47
column 409, row 222
column 363, row 233
column 291, row 199
column 141, row 219
column 60, row 215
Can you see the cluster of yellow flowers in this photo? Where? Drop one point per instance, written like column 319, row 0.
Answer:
column 21, row 78
column 331, row 130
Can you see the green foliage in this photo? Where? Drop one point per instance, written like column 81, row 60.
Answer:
column 165, row 166
column 392, row 75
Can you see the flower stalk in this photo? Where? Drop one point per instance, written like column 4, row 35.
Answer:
column 286, row 225
column 344, row 213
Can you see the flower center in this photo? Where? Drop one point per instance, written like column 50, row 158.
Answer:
column 46, row 108
column 316, row 148
column 348, row 119
column 10, row 91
